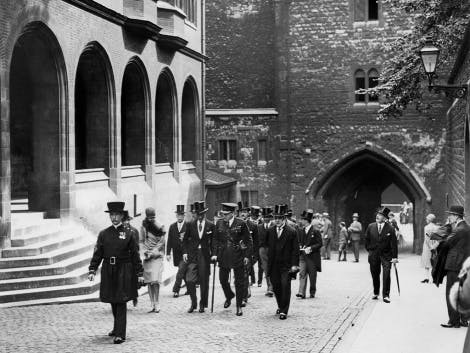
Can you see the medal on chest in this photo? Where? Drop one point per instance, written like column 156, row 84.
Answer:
column 122, row 235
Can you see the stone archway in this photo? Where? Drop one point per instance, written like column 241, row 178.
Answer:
column 37, row 90
column 355, row 182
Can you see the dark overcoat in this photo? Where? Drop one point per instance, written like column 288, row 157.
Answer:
column 253, row 228
column 175, row 242
column 119, row 280
column 232, row 244
column 192, row 241
column 313, row 240
column 384, row 244
column 458, row 245
column 282, row 251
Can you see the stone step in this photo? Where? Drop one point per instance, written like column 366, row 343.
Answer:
column 83, row 288
column 27, row 229
column 51, row 257
column 42, row 247
column 58, row 268
column 19, row 205
column 34, row 238
column 74, row 277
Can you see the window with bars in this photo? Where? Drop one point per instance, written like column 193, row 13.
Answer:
column 189, row 7
column 250, row 197
column 228, row 149
column 364, row 80
column 366, row 10
column 262, row 150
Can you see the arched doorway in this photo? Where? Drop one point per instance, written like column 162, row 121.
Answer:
column 37, row 93
column 93, row 96
column 165, row 117
column 189, row 118
column 134, row 111
column 357, row 183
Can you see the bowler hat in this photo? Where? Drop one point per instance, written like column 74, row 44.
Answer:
column 199, row 207
column 255, row 211
column 457, row 210
column 179, row 209
column 267, row 212
column 228, row 207
column 308, row 216
column 126, row 216
column 115, row 206
column 150, row 212
column 280, row 210
column 384, row 211
column 355, row 215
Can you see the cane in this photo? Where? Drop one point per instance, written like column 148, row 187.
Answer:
column 213, row 289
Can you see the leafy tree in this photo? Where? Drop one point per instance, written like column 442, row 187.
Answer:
column 442, row 21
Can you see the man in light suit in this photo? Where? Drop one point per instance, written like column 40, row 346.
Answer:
column 355, row 229
column 381, row 243
column 176, row 234
column 327, row 233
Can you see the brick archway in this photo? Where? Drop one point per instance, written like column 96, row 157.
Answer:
column 368, row 169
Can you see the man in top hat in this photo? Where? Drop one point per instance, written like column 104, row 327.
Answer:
column 283, row 259
column 457, row 245
column 355, row 230
column 290, row 219
column 197, row 254
column 232, row 249
column 310, row 243
column 381, row 243
column 327, row 233
column 263, row 227
column 193, row 213
column 176, row 234
column 121, row 269
column 243, row 210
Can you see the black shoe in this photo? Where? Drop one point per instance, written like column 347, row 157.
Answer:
column 243, row 304
column 192, row 308
column 151, row 311
column 386, row 300
column 118, row 340
column 201, row 309
column 464, row 323
column 298, row 295
column 375, row 297
column 312, row 295
column 357, row 260
column 282, row 316
column 425, row 281
column 449, row 325
column 278, row 311
column 227, row 303
column 270, row 294
column 239, row 311
column 175, row 295
column 186, row 293
column 111, row 334
column 259, row 284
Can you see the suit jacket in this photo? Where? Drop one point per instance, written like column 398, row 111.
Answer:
column 313, row 240
column 458, row 245
column 383, row 244
column 175, row 242
column 355, row 228
column 283, row 251
column 327, row 230
column 232, row 244
column 192, row 241
column 262, row 236
column 253, row 228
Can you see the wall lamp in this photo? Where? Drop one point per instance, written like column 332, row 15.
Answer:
column 429, row 55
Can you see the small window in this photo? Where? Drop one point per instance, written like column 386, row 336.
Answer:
column 227, row 150
column 262, row 150
column 363, row 81
column 366, row 10
column 249, row 196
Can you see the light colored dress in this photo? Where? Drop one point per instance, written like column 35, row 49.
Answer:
column 428, row 244
column 152, row 251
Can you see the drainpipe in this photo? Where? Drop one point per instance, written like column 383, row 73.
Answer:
column 203, row 101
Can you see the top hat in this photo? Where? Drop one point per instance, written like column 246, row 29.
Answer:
column 243, row 206
column 150, row 212
column 199, row 207
column 355, row 215
column 289, row 213
column 255, row 211
column 457, row 210
column 325, row 214
column 280, row 210
column 384, row 211
column 115, row 206
column 228, row 207
column 192, row 207
column 307, row 215
column 126, row 216
column 267, row 212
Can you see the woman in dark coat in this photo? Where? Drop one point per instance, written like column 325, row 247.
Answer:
column 121, row 269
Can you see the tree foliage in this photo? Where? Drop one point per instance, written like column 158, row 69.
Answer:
column 442, row 21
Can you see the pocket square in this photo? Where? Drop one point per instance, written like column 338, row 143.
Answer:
column 210, row 232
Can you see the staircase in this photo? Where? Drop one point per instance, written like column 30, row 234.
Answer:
column 46, row 263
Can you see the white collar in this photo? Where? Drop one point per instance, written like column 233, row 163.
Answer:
column 116, row 226
column 307, row 228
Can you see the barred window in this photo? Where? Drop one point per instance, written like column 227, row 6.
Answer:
column 262, row 150
column 363, row 81
column 366, row 10
column 227, row 150
column 189, row 7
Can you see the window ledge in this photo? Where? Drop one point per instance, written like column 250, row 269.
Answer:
column 132, row 171
column 187, row 165
column 190, row 24
column 361, row 24
column 262, row 163
column 162, row 168
column 90, row 175
column 366, row 106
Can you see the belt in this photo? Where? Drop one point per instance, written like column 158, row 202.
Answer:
column 114, row 260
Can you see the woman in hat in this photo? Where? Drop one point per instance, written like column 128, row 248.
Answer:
column 429, row 245
column 121, row 269
column 153, row 252
column 343, row 241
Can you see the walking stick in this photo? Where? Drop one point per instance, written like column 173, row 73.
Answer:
column 398, row 281
column 213, row 289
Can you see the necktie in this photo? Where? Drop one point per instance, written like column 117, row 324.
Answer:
column 278, row 232
column 380, row 228
column 200, row 227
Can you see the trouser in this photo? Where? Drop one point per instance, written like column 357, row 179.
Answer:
column 198, row 272
column 252, row 273
column 120, row 319
column 342, row 250
column 454, row 316
column 307, row 268
column 180, row 275
column 355, row 245
column 263, row 260
column 376, row 262
column 282, row 288
column 326, row 248
column 239, row 286
column 260, row 272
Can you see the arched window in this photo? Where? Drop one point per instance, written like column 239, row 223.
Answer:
column 360, row 83
column 363, row 81
column 373, row 81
